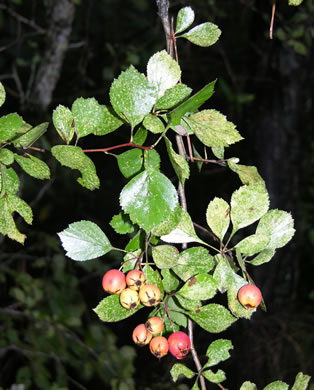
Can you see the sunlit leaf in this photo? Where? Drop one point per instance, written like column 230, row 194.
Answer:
column 184, row 20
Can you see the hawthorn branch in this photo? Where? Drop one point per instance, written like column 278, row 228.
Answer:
column 128, row 144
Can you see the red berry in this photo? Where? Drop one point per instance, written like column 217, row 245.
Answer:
column 155, row 325
column 114, row 281
column 250, row 296
column 179, row 344
column 150, row 295
column 141, row 336
column 159, row 346
column 135, row 279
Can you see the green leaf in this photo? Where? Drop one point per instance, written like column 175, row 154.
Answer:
column 212, row 128
column 170, row 223
column 184, row 232
column 121, row 223
column 247, row 174
column 193, row 261
column 62, row 118
column 248, row 386
column 88, row 116
column 219, row 152
column 278, row 226
column 201, row 286
column 217, row 377
column 9, row 181
column 189, row 304
column 31, row 136
column 195, row 386
column 138, row 241
column 217, row 352
column 84, row 240
column 153, row 277
column 253, row 244
column 236, row 282
column 277, row 385
column 205, row 34
column 130, row 260
column 6, row 156
column 149, row 198
column 301, row 382
column 140, row 136
column 185, row 18
column 192, row 104
column 264, row 257
column 110, row 309
column 213, row 318
column 295, row 2
column 73, row 157
column 178, row 162
column 165, row 256
column 151, row 159
column 218, row 217
column 153, row 124
column 9, row 126
column 8, row 205
column 169, row 280
column 176, row 316
column 173, row 96
column 111, row 122
column 131, row 96
column 180, row 369
column 163, row 72
column 33, row 166
column 131, row 162
column 248, row 204
column 223, row 274
column 2, row 94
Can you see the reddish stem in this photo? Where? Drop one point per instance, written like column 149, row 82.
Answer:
column 130, row 144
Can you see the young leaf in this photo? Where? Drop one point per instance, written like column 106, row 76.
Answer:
column 9, row 181
column 205, row 34
column 192, row 104
column 180, row 369
column 8, row 205
column 31, row 136
column 277, row 385
column 62, row 118
column 149, row 198
column 153, row 124
column 247, row 174
column 2, row 94
column 213, row 318
column 218, row 217
column 6, row 156
column 9, row 126
column 169, row 280
column 264, row 257
column 163, row 72
column 178, row 162
column 73, row 157
column 165, row 256
column 217, row 377
column 84, row 240
column 248, row 204
column 185, row 18
column 301, row 382
column 183, row 233
column 33, row 166
column 278, row 226
column 201, row 286
column 193, row 261
column 110, row 309
column 248, row 386
column 212, row 128
column 217, row 352
column 110, row 123
column 253, row 244
column 173, row 96
column 121, row 223
column 131, row 96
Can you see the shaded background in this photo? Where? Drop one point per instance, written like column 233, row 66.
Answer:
column 52, row 52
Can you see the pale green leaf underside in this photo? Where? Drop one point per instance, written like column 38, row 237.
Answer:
column 132, row 96
column 2, row 94
column 247, row 174
column 185, row 18
column 253, row 244
column 110, row 309
column 248, row 386
column 263, row 257
column 205, row 34
column 33, row 166
column 217, row 216
column 163, row 72
column 73, row 157
column 295, row 2
column 62, row 118
column 248, row 204
column 149, row 198
column 180, row 369
column 84, row 240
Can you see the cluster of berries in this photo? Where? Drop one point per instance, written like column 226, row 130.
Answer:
column 133, row 290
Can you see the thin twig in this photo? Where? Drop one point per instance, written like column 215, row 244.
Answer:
column 128, row 144
column 272, row 20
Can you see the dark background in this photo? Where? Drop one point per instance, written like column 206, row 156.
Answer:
column 52, row 52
